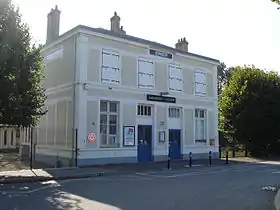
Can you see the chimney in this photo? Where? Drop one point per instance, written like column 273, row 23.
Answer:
column 53, row 25
column 182, row 44
column 115, row 24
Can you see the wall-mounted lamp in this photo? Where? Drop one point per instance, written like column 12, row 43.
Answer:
column 164, row 93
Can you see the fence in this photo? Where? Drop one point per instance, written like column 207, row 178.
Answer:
column 31, row 147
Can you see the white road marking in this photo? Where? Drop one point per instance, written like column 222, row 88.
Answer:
column 187, row 166
column 53, row 184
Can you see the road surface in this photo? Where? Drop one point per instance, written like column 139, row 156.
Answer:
column 236, row 187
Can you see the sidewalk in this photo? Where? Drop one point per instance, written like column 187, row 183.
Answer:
column 39, row 175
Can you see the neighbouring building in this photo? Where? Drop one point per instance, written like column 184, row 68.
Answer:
column 118, row 98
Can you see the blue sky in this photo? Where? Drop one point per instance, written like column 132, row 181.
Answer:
column 236, row 32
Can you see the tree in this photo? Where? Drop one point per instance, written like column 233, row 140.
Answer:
column 21, row 70
column 249, row 109
column 276, row 1
column 221, row 74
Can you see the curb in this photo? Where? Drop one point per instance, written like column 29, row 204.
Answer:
column 277, row 200
column 15, row 180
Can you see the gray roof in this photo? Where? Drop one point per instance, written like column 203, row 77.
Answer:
column 141, row 41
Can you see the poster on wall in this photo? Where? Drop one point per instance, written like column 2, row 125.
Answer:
column 161, row 136
column 128, row 136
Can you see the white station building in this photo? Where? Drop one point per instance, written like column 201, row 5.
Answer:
column 128, row 98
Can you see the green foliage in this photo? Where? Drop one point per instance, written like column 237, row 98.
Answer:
column 21, row 70
column 248, row 109
column 276, row 1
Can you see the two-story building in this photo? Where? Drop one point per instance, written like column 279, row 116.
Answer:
column 118, row 98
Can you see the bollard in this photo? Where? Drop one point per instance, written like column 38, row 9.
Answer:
column 226, row 157
column 168, row 160
column 210, row 158
column 190, row 159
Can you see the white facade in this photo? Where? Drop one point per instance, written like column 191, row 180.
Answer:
column 115, row 86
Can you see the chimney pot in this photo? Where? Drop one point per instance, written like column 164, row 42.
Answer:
column 53, row 24
column 182, row 44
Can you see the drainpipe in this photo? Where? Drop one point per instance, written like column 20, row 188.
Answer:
column 74, row 141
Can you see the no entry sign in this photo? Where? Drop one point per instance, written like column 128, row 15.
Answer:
column 91, row 137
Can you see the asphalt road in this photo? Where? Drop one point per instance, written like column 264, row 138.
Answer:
column 218, row 188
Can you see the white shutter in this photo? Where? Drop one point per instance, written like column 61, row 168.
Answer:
column 178, row 72
column 115, row 61
column 141, row 73
column 110, row 67
column 179, row 85
column 150, row 81
column 142, row 80
column 200, row 77
column 106, row 73
column 200, row 88
column 175, row 78
column 172, row 72
column 115, row 76
column 106, row 60
column 150, row 72
column 145, row 74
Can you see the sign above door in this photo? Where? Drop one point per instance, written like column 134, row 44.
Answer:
column 163, row 99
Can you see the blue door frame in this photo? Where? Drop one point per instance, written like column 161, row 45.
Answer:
column 175, row 143
column 144, row 138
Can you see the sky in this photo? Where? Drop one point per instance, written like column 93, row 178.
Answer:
column 236, row 32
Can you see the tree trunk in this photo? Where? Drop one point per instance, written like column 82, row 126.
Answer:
column 246, row 151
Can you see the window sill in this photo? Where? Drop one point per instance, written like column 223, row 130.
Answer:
column 110, row 146
column 200, row 141
column 200, row 94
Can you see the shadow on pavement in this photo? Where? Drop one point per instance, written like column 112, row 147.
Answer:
column 102, row 195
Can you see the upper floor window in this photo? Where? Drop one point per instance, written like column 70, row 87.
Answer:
column 173, row 112
column 175, row 78
column 109, row 123
column 146, row 73
column 200, row 83
column 144, row 110
column 110, row 70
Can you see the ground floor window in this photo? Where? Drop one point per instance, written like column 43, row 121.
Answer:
column 173, row 112
column 200, row 126
column 144, row 110
column 109, row 124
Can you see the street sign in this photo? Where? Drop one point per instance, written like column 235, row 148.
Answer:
column 91, row 137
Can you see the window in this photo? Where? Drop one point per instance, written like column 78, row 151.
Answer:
column 200, row 83
column 173, row 112
column 12, row 137
column 175, row 78
column 200, row 126
column 146, row 75
column 5, row 137
column 110, row 70
column 144, row 110
column 109, row 123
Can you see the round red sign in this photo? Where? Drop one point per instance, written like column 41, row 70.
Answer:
column 91, row 137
